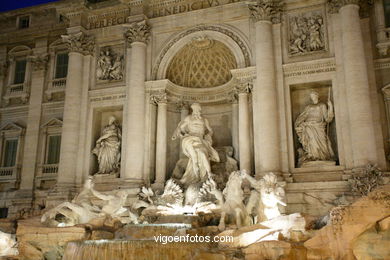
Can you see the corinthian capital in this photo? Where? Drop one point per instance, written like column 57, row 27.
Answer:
column 266, row 10
column 39, row 62
column 79, row 42
column 335, row 5
column 158, row 97
column 138, row 32
column 244, row 87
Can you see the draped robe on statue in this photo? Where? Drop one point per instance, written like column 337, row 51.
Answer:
column 311, row 129
column 197, row 146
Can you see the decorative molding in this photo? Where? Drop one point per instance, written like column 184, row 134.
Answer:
column 138, row 32
column 266, row 10
column 54, row 122
column 199, row 28
column 12, row 127
column 80, row 42
column 306, row 68
column 39, row 62
column 382, row 64
column 177, row 93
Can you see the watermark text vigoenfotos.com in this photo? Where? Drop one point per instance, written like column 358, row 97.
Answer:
column 193, row 239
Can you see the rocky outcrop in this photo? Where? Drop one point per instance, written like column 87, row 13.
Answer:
column 351, row 227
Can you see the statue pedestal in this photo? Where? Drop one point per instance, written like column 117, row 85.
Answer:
column 318, row 164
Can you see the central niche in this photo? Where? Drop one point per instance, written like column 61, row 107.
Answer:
column 202, row 63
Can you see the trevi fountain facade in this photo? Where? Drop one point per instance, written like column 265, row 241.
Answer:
column 264, row 120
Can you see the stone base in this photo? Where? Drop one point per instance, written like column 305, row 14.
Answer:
column 314, row 198
column 318, row 164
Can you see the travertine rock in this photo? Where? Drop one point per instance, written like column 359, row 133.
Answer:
column 336, row 241
column 268, row 250
column 372, row 244
column 101, row 234
column 35, row 240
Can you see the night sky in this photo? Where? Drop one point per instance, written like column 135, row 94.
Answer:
column 6, row 5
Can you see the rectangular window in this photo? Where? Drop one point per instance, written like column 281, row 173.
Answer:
column 61, row 65
column 10, row 150
column 3, row 212
column 386, row 5
column 53, row 150
column 20, row 71
column 24, row 22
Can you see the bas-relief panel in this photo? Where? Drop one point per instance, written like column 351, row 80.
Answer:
column 110, row 64
column 306, row 33
column 301, row 100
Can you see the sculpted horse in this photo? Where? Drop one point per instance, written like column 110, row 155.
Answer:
column 233, row 205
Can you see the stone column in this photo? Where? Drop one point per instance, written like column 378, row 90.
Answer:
column 79, row 44
column 364, row 149
column 265, row 102
column 244, row 127
column 235, row 131
column 161, row 139
column 29, row 161
column 137, row 35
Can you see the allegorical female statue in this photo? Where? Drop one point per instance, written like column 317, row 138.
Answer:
column 108, row 148
column 196, row 134
column 311, row 127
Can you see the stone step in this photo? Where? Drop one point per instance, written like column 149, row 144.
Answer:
column 318, row 176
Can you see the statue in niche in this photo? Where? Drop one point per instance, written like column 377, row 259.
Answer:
column 196, row 135
column 108, row 148
column 109, row 66
column 312, row 127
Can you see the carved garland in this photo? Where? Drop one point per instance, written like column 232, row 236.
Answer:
column 227, row 32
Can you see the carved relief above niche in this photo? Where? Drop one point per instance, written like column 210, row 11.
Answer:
column 313, row 125
column 110, row 64
column 306, row 33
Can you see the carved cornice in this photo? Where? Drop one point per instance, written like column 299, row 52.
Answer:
column 309, row 67
column 266, row 10
column 39, row 62
column 335, row 5
column 138, row 32
column 80, row 42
